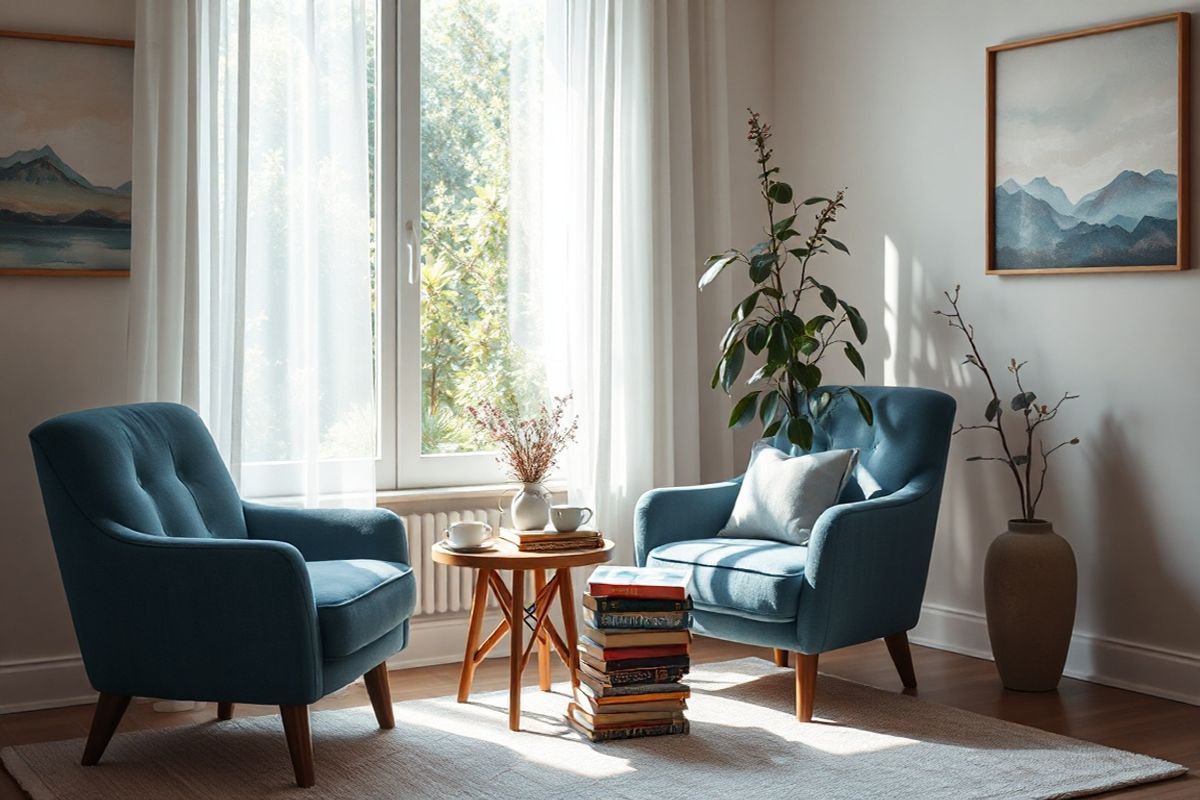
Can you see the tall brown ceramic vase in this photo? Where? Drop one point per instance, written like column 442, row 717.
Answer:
column 1029, row 582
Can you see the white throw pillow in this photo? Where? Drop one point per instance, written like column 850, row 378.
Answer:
column 782, row 495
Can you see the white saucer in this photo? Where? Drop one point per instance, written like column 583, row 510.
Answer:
column 479, row 548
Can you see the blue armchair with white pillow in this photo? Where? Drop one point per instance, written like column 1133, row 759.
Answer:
column 857, row 574
column 180, row 590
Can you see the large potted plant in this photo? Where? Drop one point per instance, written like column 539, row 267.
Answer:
column 1029, row 575
column 785, row 392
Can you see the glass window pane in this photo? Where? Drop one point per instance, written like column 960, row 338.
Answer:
column 480, row 112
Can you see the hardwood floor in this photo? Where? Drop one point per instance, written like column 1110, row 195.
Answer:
column 1087, row 711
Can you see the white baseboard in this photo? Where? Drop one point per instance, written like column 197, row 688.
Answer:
column 33, row 684
column 1158, row 671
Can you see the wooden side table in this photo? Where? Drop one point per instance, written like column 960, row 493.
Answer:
column 518, row 615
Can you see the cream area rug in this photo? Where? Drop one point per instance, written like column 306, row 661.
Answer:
column 744, row 742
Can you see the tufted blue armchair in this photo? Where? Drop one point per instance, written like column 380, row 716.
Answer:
column 178, row 589
column 862, row 574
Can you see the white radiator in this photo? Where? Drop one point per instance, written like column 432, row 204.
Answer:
column 442, row 589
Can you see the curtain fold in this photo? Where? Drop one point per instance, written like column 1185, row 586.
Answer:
column 625, row 140
column 251, row 290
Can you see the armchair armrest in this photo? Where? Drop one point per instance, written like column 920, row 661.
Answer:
column 327, row 534
column 681, row 513
column 867, row 566
column 197, row 619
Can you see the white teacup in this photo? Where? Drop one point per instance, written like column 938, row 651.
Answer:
column 469, row 534
column 569, row 518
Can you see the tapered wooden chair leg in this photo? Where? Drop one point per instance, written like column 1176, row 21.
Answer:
column 897, row 645
column 380, row 692
column 299, row 740
column 224, row 711
column 781, row 657
column 806, row 685
column 109, row 710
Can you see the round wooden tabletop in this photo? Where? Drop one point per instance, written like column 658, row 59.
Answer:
column 505, row 555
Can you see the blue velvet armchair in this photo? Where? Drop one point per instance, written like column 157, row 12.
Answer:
column 178, row 589
column 862, row 574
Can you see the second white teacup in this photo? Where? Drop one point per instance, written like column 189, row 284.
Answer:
column 569, row 518
column 469, row 534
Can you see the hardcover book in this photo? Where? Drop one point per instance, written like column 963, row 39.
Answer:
column 631, row 638
column 641, row 620
column 602, row 653
column 626, row 677
column 617, row 665
column 590, row 704
column 634, row 604
column 662, row 583
column 608, row 734
column 646, row 692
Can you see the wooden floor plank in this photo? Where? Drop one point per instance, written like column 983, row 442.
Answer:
column 1088, row 711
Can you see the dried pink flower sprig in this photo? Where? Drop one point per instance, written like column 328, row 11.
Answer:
column 529, row 448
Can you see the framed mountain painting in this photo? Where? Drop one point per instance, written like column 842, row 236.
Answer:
column 66, row 154
column 1088, row 150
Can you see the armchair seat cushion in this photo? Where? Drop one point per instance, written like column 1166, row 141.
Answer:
column 756, row 579
column 359, row 601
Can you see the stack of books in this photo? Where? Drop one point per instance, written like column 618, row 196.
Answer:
column 549, row 540
column 633, row 654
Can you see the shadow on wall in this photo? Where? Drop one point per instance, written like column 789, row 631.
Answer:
column 921, row 350
column 1124, row 553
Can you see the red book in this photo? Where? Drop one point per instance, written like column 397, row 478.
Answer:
column 657, row 583
column 594, row 650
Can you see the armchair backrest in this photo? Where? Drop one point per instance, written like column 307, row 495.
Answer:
column 152, row 468
column 909, row 439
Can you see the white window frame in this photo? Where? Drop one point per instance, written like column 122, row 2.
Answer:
column 405, row 466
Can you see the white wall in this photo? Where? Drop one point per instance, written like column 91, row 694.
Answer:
column 888, row 99
column 62, row 347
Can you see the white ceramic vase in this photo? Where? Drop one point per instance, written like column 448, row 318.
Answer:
column 530, row 509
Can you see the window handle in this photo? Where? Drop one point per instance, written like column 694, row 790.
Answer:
column 410, row 235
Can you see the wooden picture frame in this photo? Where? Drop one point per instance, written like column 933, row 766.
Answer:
column 1029, row 244
column 61, row 209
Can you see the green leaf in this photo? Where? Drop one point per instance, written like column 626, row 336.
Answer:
column 733, row 365
column 828, row 297
column 976, row 458
column 777, row 348
column 993, row 408
column 818, row 402
column 772, row 429
column 810, row 201
column 1022, row 401
column 768, row 408
column 783, row 224
column 714, row 265
column 763, row 372
column 749, row 303
column 771, row 291
column 817, row 323
column 809, row 345
column 864, row 406
column 799, row 252
column 731, row 333
column 1020, row 460
column 780, row 192
column 743, row 410
column 856, row 359
column 756, row 338
column 792, row 324
column 838, row 244
column 808, row 375
column 856, row 321
column 800, row 433
column 789, row 233
column 761, row 266
column 716, row 378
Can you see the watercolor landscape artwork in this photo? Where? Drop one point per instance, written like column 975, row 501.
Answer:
column 65, row 155
column 1087, row 151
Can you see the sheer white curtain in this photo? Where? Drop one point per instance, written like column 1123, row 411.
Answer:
column 630, row 88
column 252, row 280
